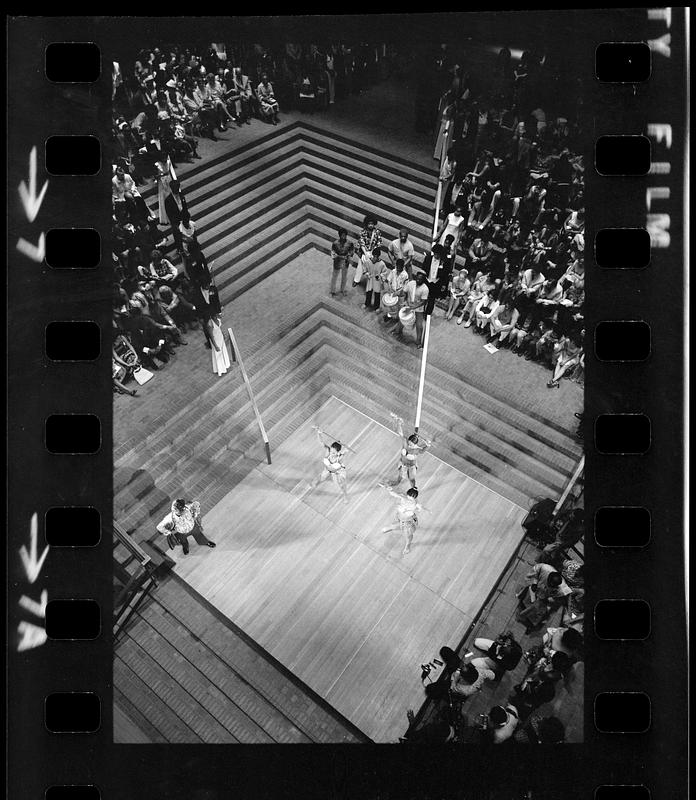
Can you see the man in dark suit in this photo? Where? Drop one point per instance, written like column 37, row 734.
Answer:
column 175, row 207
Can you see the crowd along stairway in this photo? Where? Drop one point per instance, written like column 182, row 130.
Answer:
column 258, row 206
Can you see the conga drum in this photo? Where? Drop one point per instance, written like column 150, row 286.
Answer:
column 407, row 317
column 390, row 304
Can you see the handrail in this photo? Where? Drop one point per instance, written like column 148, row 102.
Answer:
column 571, row 482
column 247, row 383
column 131, row 545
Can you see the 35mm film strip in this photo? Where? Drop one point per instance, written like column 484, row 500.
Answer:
column 60, row 442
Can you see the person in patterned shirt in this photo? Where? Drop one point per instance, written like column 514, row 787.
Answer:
column 184, row 520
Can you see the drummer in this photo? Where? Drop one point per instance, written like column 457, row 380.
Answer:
column 417, row 297
column 374, row 268
column 394, row 278
column 334, row 467
column 408, row 455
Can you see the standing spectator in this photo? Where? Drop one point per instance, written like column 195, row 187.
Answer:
column 454, row 225
column 221, row 358
column 402, row 248
column 374, row 281
column 184, row 520
column 176, row 208
column 370, row 237
column 418, row 300
column 342, row 252
column 267, row 102
column 196, row 265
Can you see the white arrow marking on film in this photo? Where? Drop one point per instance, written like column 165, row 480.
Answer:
column 31, row 250
column 30, row 201
column 32, row 636
column 32, row 565
column 38, row 609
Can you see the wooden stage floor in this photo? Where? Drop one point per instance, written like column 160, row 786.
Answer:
column 316, row 583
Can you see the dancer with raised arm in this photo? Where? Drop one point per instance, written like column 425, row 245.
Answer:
column 408, row 455
column 406, row 515
column 334, row 467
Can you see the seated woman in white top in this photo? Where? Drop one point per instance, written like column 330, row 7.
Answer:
column 453, row 225
column 479, row 288
column 459, row 288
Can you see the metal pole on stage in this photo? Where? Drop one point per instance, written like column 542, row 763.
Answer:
column 252, row 399
column 426, row 338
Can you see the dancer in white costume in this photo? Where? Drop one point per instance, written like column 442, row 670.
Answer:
column 408, row 455
column 406, row 515
column 334, row 467
column 221, row 358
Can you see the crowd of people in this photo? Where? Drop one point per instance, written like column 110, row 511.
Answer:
column 508, row 258
column 552, row 591
column 507, row 262
column 163, row 103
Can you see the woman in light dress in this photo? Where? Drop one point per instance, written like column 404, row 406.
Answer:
column 221, row 358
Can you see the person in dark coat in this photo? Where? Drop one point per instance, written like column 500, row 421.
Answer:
column 175, row 208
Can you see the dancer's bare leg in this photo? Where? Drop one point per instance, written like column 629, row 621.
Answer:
column 341, row 483
column 407, row 547
column 411, row 473
column 324, row 475
column 399, row 476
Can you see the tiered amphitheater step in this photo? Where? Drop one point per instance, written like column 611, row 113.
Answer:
column 201, row 679
column 257, row 207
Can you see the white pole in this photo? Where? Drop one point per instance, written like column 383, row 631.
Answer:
column 424, row 360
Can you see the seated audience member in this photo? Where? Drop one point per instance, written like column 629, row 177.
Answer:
column 268, row 105
column 545, row 591
column 505, row 319
column 161, row 270
column 459, row 289
column 479, row 289
column 469, row 679
column 540, row 730
column 502, row 722
column 566, row 354
column 148, row 337
column 178, row 308
column 502, row 654
column 547, row 300
column 214, row 94
column 485, row 310
column 199, row 109
column 307, row 95
column 125, row 361
column 242, row 96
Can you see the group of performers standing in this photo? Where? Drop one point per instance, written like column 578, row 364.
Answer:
column 390, row 284
column 408, row 508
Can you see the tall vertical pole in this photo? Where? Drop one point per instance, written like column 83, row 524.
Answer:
column 426, row 338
